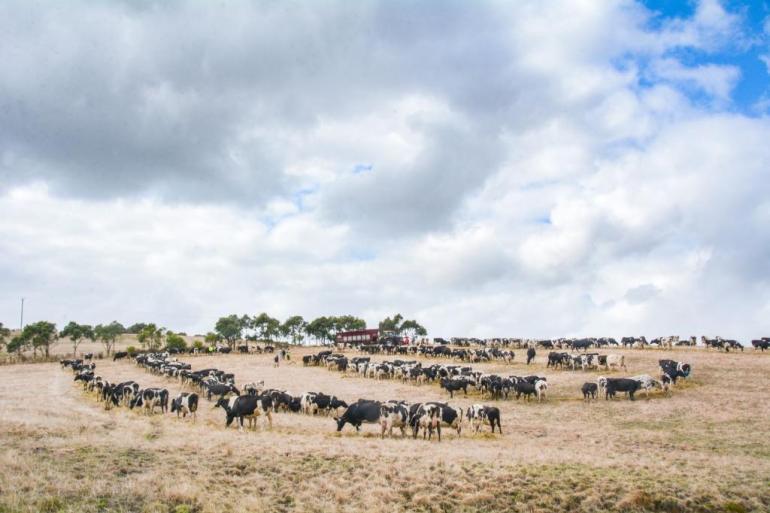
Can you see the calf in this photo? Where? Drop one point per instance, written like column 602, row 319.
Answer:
column 478, row 414
column 185, row 403
column 589, row 391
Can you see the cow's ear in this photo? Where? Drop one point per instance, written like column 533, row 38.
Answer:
column 336, row 419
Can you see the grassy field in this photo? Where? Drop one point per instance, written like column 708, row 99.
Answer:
column 706, row 448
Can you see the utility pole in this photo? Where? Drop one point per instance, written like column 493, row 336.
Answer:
column 21, row 323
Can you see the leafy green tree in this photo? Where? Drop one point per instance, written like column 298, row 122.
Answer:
column 294, row 328
column 108, row 335
column 175, row 341
column 412, row 329
column 320, row 329
column 135, row 328
column 266, row 327
column 151, row 337
column 41, row 335
column 77, row 333
column 392, row 325
column 349, row 323
column 4, row 334
column 230, row 329
column 17, row 345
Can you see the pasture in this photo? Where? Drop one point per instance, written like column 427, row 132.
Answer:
column 704, row 448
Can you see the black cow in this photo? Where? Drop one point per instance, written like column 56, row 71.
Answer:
column 530, row 355
column 589, row 391
column 221, row 390
column 185, row 403
column 119, row 355
column 358, row 413
column 453, row 385
column 761, row 344
column 614, row 385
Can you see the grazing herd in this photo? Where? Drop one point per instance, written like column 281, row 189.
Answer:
column 252, row 401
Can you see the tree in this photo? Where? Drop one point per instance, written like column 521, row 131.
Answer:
column 41, row 334
column 135, row 328
column 76, row 333
column 319, row 329
column 175, row 341
column 17, row 345
column 294, row 327
column 348, row 323
column 230, row 329
column 266, row 327
column 151, row 337
column 108, row 335
column 4, row 334
column 412, row 329
column 392, row 325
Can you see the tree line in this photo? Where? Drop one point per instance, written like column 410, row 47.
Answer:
column 40, row 336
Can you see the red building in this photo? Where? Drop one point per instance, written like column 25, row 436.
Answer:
column 358, row 337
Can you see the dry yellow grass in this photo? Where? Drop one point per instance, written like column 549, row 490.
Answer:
column 705, row 448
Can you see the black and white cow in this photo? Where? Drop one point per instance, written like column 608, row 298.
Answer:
column 478, row 414
column 363, row 411
column 250, row 407
column 150, row 398
column 185, row 404
column 394, row 414
column 648, row 383
column 675, row 370
column 432, row 416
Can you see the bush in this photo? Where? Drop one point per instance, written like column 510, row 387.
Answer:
column 131, row 350
column 175, row 342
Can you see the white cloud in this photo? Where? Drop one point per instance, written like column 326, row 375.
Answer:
column 531, row 174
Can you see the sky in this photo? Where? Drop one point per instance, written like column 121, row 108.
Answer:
column 539, row 168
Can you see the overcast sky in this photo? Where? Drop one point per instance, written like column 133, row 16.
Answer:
column 531, row 168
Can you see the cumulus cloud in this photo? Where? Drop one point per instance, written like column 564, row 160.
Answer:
column 536, row 169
